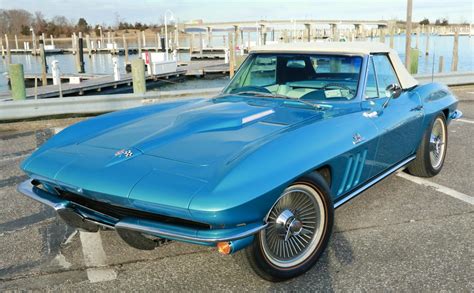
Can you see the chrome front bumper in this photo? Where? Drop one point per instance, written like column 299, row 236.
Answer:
column 87, row 219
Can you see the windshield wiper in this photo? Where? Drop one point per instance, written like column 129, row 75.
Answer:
column 260, row 94
column 270, row 95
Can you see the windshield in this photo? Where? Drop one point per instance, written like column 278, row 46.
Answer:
column 310, row 77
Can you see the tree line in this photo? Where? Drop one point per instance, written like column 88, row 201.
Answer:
column 22, row 22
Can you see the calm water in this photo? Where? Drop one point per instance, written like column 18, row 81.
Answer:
column 102, row 63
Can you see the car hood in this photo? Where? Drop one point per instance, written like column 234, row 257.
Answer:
column 209, row 132
column 159, row 159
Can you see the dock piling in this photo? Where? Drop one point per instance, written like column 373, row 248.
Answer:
column 408, row 33
column 232, row 55
column 101, row 38
column 454, row 64
column 55, row 72
column 139, row 43
column 158, row 42
column 441, row 64
column 414, row 61
column 44, row 66
column 74, row 43
column 17, row 80
column 176, row 37
column 236, row 38
column 9, row 54
column 76, row 53
column 138, row 76
column 209, row 36
column 381, row 35
column 392, row 37
column 417, row 44
column 144, row 39
column 427, row 45
column 200, row 44
column 116, row 68
column 308, row 31
column 114, row 49
column 33, row 40
column 81, row 53
column 125, row 48
column 88, row 45
column 36, row 88
column 191, row 44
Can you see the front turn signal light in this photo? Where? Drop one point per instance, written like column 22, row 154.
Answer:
column 224, row 247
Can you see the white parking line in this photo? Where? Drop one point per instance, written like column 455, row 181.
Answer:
column 57, row 130
column 465, row 121
column 94, row 256
column 446, row 190
column 13, row 158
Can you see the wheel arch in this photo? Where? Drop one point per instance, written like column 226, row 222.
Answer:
column 446, row 113
column 326, row 172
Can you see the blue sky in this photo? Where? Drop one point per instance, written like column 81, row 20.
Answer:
column 105, row 11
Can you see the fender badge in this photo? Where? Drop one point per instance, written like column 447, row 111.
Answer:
column 126, row 153
column 357, row 138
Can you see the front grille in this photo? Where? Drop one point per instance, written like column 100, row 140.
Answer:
column 122, row 212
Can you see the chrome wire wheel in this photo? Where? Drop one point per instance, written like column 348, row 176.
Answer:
column 437, row 145
column 295, row 226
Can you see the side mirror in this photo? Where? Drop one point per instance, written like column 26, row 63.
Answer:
column 392, row 91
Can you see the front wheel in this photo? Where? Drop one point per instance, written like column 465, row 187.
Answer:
column 298, row 231
column 432, row 150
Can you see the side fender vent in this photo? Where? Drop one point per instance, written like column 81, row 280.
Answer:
column 353, row 171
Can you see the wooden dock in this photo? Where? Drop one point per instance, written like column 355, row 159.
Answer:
column 92, row 85
column 205, row 67
column 65, row 78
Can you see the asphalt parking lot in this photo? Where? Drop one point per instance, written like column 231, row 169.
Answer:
column 401, row 235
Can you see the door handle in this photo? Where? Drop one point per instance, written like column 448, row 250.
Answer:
column 417, row 108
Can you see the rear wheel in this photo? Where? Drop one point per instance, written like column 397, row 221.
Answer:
column 299, row 228
column 432, row 150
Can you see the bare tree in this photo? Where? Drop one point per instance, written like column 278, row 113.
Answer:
column 40, row 24
column 13, row 20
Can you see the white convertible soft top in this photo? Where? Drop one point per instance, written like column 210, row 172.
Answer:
column 362, row 48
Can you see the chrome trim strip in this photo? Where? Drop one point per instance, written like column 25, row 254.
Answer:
column 257, row 116
column 44, row 197
column 373, row 182
column 27, row 188
column 160, row 232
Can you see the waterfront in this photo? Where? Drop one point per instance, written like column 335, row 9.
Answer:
column 102, row 63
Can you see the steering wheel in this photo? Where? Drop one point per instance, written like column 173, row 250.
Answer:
column 338, row 85
column 251, row 88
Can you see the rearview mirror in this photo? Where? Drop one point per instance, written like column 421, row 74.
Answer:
column 296, row 64
column 393, row 91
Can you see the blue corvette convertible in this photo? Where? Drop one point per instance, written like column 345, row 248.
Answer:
column 299, row 130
